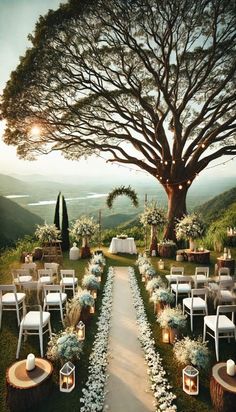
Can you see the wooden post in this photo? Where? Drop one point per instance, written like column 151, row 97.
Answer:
column 145, row 203
column 100, row 227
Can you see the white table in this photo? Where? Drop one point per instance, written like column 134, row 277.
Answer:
column 123, row 245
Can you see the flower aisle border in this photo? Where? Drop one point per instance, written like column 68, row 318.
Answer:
column 93, row 391
column 160, row 386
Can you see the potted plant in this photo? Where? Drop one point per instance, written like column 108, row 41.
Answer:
column 190, row 227
column 172, row 320
column 84, row 228
column 64, row 346
column 162, row 297
column 153, row 216
column 167, row 248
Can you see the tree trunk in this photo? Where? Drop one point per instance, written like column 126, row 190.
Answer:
column 176, row 208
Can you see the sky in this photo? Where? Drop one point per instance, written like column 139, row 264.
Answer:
column 17, row 20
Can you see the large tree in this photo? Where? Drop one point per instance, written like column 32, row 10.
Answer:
column 149, row 82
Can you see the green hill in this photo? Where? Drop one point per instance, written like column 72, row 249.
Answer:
column 214, row 208
column 117, row 219
column 15, row 222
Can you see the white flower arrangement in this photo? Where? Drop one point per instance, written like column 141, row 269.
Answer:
column 154, row 283
column 151, row 272
column 161, row 388
column 90, row 282
column 84, row 298
column 98, row 260
column 122, row 236
column 144, row 267
column 153, row 215
column 47, row 233
column 190, row 226
column 142, row 259
column 167, row 242
column 64, row 346
column 163, row 295
column 192, row 351
column 95, row 269
column 93, row 391
column 85, row 226
column 172, row 318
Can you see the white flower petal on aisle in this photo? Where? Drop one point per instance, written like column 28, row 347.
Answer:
column 159, row 384
column 93, row 392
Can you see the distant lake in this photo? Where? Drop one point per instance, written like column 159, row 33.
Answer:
column 16, row 196
column 90, row 195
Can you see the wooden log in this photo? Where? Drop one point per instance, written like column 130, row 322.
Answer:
column 222, row 389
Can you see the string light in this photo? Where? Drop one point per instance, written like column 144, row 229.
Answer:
column 180, row 187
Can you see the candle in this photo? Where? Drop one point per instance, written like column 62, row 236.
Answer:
column 230, row 367
column 30, row 362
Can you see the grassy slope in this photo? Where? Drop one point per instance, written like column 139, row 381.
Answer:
column 61, row 402
column 214, row 208
column 15, row 221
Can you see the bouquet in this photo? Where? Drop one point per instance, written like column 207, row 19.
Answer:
column 189, row 227
column 163, row 295
column 84, row 227
column 154, row 283
column 47, row 233
column 172, row 318
column 192, row 351
column 64, row 346
column 90, row 282
column 153, row 215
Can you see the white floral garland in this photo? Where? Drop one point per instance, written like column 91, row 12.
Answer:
column 160, row 386
column 93, row 391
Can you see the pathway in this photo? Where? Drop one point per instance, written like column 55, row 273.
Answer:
column 128, row 383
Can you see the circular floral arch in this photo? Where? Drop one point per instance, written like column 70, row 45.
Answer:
column 122, row 190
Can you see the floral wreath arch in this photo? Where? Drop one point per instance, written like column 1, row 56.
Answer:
column 122, row 190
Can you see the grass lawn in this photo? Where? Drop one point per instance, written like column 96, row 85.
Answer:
column 70, row 402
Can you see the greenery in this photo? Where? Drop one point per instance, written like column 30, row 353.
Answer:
column 84, row 227
column 163, row 295
column 193, row 351
column 214, row 208
column 122, row 190
column 65, row 245
column 64, row 346
column 90, row 282
column 172, row 318
column 57, row 212
column 189, row 227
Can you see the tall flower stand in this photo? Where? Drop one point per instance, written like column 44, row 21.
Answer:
column 153, row 244
column 192, row 244
column 85, row 250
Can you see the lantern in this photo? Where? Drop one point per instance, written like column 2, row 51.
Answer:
column 94, row 294
column 92, row 309
column 143, row 278
column 161, row 264
column 190, row 380
column 80, row 328
column 99, row 278
column 166, row 335
column 67, row 377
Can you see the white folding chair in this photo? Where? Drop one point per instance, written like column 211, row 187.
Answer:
column 45, row 276
column 11, row 300
column 225, row 294
column 196, row 305
column 21, row 276
column 33, row 286
column 175, row 272
column 54, row 298
column 31, row 266
column 181, row 287
column 34, row 322
column 219, row 326
column 68, row 279
column 224, row 274
column 201, row 276
column 53, row 266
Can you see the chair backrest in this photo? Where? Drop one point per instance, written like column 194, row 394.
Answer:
column 44, row 272
column 204, row 270
column 184, row 279
column 67, row 273
column 52, row 288
column 176, row 270
column 30, row 266
column 227, row 284
column 224, row 271
column 52, row 265
column 200, row 292
column 225, row 309
column 7, row 288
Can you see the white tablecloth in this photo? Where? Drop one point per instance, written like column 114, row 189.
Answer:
column 123, row 245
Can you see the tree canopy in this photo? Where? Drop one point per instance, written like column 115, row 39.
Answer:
column 149, row 82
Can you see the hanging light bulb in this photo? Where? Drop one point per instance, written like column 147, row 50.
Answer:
column 173, row 162
column 189, row 182
column 203, row 145
column 166, row 163
column 180, row 187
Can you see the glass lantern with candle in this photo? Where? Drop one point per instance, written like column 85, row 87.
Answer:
column 94, row 294
column 161, row 264
column 166, row 335
column 190, row 380
column 80, row 328
column 67, row 377
column 92, row 309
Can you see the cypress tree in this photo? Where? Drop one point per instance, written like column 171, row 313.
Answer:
column 57, row 212
column 65, row 227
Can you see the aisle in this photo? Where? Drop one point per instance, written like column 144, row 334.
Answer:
column 128, row 383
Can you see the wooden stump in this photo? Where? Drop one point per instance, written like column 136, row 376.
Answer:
column 222, row 389
column 166, row 251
